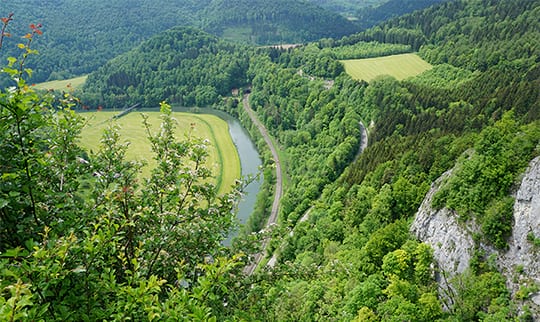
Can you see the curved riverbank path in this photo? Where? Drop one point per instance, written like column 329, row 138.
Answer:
column 278, row 191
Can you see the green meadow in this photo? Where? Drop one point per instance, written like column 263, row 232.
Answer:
column 59, row 85
column 399, row 66
column 223, row 157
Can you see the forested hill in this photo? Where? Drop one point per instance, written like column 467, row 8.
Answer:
column 347, row 7
column 183, row 65
column 79, row 36
column 75, row 42
column 370, row 16
column 478, row 108
column 497, row 38
column 274, row 22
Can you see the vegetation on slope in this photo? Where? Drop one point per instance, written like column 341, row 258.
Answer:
column 76, row 43
column 276, row 22
column 371, row 16
column 184, row 66
column 113, row 250
column 339, row 263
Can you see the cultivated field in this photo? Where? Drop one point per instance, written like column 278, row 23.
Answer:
column 63, row 85
column 223, row 159
column 399, row 66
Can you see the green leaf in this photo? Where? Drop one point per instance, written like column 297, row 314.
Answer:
column 9, row 71
column 14, row 252
column 11, row 61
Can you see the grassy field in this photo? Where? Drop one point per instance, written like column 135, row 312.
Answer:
column 223, row 159
column 399, row 66
column 60, row 85
column 237, row 34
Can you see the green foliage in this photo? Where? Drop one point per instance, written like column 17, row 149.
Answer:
column 182, row 65
column 83, row 239
column 76, row 43
column 480, row 296
column 357, row 233
column 276, row 22
column 497, row 222
column 109, row 247
column 533, row 239
column 444, row 76
column 479, row 187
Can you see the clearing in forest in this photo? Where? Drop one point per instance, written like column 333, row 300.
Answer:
column 63, row 85
column 223, row 159
column 399, row 66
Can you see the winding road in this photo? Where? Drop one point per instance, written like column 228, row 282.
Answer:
column 278, row 191
column 249, row 269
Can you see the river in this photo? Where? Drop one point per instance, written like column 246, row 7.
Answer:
column 250, row 162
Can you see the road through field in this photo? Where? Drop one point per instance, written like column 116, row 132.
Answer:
column 279, row 183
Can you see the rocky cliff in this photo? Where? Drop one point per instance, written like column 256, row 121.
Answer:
column 453, row 244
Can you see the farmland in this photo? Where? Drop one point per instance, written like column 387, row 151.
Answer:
column 399, row 66
column 60, row 85
column 223, row 158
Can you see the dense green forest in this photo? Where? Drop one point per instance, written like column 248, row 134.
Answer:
column 76, row 43
column 347, row 7
column 184, row 66
column 83, row 239
column 276, row 22
column 353, row 256
column 369, row 16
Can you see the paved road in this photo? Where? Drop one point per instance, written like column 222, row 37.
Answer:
column 279, row 183
column 363, row 141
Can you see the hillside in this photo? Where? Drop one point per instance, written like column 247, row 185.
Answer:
column 76, row 43
column 346, row 7
column 275, row 22
column 354, row 251
column 184, row 66
column 370, row 16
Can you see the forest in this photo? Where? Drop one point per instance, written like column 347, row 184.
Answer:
column 75, row 43
column 80, row 246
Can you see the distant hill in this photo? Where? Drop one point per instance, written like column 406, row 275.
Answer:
column 347, row 8
column 370, row 16
column 367, row 13
column 278, row 21
column 79, row 36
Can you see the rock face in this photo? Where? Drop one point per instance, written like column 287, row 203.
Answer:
column 453, row 243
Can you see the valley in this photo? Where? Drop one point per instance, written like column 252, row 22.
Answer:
column 436, row 219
